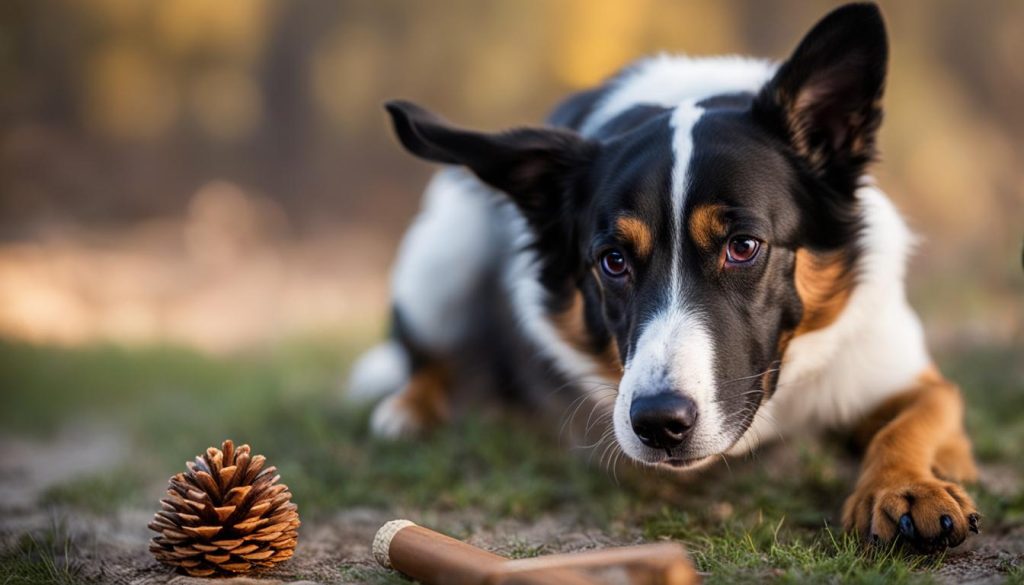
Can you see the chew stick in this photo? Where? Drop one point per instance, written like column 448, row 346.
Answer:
column 435, row 559
column 663, row 563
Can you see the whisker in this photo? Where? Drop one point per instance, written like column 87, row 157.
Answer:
column 773, row 367
column 726, row 461
column 577, row 403
column 615, row 466
column 595, row 444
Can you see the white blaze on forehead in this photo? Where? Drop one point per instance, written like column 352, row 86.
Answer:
column 684, row 118
column 675, row 351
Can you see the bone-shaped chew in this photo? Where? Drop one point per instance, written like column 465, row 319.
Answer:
column 435, row 559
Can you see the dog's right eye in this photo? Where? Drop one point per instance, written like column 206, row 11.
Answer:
column 742, row 249
column 614, row 264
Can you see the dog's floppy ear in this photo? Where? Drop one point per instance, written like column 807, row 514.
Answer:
column 826, row 98
column 535, row 166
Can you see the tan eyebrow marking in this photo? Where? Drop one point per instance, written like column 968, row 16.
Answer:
column 707, row 225
column 637, row 233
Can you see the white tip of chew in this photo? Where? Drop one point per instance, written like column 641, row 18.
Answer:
column 380, row 371
column 382, row 541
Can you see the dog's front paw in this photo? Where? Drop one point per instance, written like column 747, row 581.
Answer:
column 927, row 513
column 418, row 407
column 396, row 418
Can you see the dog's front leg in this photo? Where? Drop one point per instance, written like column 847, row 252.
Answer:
column 909, row 482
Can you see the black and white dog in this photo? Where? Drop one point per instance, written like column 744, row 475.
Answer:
column 699, row 235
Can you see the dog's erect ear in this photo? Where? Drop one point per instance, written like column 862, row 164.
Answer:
column 826, row 99
column 535, row 166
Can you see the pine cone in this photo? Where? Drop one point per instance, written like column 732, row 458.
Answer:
column 225, row 516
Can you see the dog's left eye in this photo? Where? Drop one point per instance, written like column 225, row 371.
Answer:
column 614, row 264
column 742, row 249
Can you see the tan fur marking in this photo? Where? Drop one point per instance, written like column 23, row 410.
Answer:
column 707, row 225
column 426, row 395
column 637, row 234
column 824, row 284
column 917, row 450
column 573, row 330
column 784, row 339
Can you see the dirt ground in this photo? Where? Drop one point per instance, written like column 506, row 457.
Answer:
column 112, row 548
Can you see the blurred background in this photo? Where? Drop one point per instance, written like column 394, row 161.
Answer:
column 221, row 174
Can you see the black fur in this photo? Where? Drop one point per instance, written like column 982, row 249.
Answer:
column 826, row 99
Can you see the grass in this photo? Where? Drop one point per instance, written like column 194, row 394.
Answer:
column 40, row 558
column 754, row 520
column 766, row 551
column 1015, row 575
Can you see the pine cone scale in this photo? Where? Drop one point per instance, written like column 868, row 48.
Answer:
column 224, row 512
column 237, row 567
column 183, row 553
column 183, row 518
column 280, row 527
column 226, row 475
column 204, row 532
column 259, row 556
column 196, row 497
column 237, row 495
column 208, row 485
column 244, row 550
column 203, row 548
column 250, row 525
column 174, row 536
column 260, row 508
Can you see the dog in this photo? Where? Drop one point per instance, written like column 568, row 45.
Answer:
column 701, row 237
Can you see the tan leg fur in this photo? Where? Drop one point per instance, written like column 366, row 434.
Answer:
column 909, row 483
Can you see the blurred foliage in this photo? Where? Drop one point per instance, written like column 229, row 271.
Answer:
column 114, row 111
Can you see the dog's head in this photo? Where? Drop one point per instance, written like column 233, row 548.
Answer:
column 693, row 242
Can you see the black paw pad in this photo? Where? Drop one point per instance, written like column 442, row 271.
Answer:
column 907, row 526
column 946, row 523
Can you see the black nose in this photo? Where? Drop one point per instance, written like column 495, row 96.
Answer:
column 662, row 421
